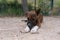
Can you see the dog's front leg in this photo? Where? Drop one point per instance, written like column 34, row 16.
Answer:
column 27, row 29
column 34, row 29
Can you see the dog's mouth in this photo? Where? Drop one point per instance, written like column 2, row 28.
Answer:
column 31, row 23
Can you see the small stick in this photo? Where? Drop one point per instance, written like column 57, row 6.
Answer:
column 24, row 20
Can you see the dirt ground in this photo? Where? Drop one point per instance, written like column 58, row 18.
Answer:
column 10, row 28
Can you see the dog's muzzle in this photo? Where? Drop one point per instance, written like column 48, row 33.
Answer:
column 30, row 24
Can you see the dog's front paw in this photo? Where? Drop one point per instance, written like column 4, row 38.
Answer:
column 27, row 29
column 34, row 29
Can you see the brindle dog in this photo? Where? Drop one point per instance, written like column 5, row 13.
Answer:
column 34, row 19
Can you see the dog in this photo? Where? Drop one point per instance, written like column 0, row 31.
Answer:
column 34, row 20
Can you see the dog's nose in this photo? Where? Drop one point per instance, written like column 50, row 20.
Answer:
column 29, row 24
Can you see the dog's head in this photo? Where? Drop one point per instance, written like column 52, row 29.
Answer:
column 32, row 17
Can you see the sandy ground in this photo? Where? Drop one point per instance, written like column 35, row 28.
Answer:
column 10, row 29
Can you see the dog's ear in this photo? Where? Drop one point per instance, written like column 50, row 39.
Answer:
column 26, row 13
column 38, row 11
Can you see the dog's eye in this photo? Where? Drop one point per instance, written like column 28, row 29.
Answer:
column 28, row 18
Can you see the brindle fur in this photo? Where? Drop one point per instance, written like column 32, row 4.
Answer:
column 35, row 17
